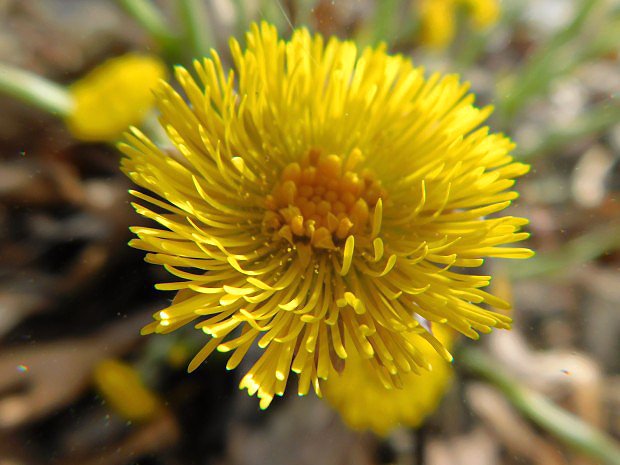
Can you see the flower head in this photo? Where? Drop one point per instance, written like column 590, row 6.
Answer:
column 113, row 96
column 482, row 13
column 121, row 386
column 437, row 23
column 438, row 18
column 319, row 202
column 364, row 402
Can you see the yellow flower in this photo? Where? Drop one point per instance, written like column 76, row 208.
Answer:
column 482, row 13
column 364, row 402
column 114, row 96
column 437, row 23
column 320, row 196
column 438, row 19
column 121, row 386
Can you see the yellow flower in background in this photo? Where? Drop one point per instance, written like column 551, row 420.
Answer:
column 121, row 386
column 437, row 23
column 364, row 402
column 114, row 96
column 438, row 18
column 482, row 13
column 317, row 202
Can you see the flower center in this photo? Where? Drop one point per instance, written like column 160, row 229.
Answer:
column 322, row 200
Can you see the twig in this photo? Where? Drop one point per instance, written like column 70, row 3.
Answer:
column 564, row 426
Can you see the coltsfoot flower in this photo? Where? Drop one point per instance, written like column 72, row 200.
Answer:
column 364, row 402
column 319, row 201
column 437, row 22
column 120, row 385
column 438, row 18
column 482, row 13
column 113, row 96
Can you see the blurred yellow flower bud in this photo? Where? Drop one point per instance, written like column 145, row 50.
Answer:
column 121, row 386
column 482, row 13
column 179, row 355
column 364, row 402
column 438, row 18
column 437, row 23
column 114, row 96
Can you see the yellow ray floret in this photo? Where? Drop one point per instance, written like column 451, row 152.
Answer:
column 317, row 203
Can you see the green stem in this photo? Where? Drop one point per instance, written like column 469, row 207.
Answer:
column 591, row 123
column 241, row 17
column 543, row 66
column 151, row 19
column 384, row 27
column 196, row 27
column 35, row 90
column 564, row 426
column 472, row 48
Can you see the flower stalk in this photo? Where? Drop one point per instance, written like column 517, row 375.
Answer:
column 35, row 90
column 151, row 19
column 196, row 27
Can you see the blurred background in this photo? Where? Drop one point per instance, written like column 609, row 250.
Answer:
column 78, row 385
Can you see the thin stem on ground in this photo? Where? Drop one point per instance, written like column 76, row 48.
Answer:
column 564, row 426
